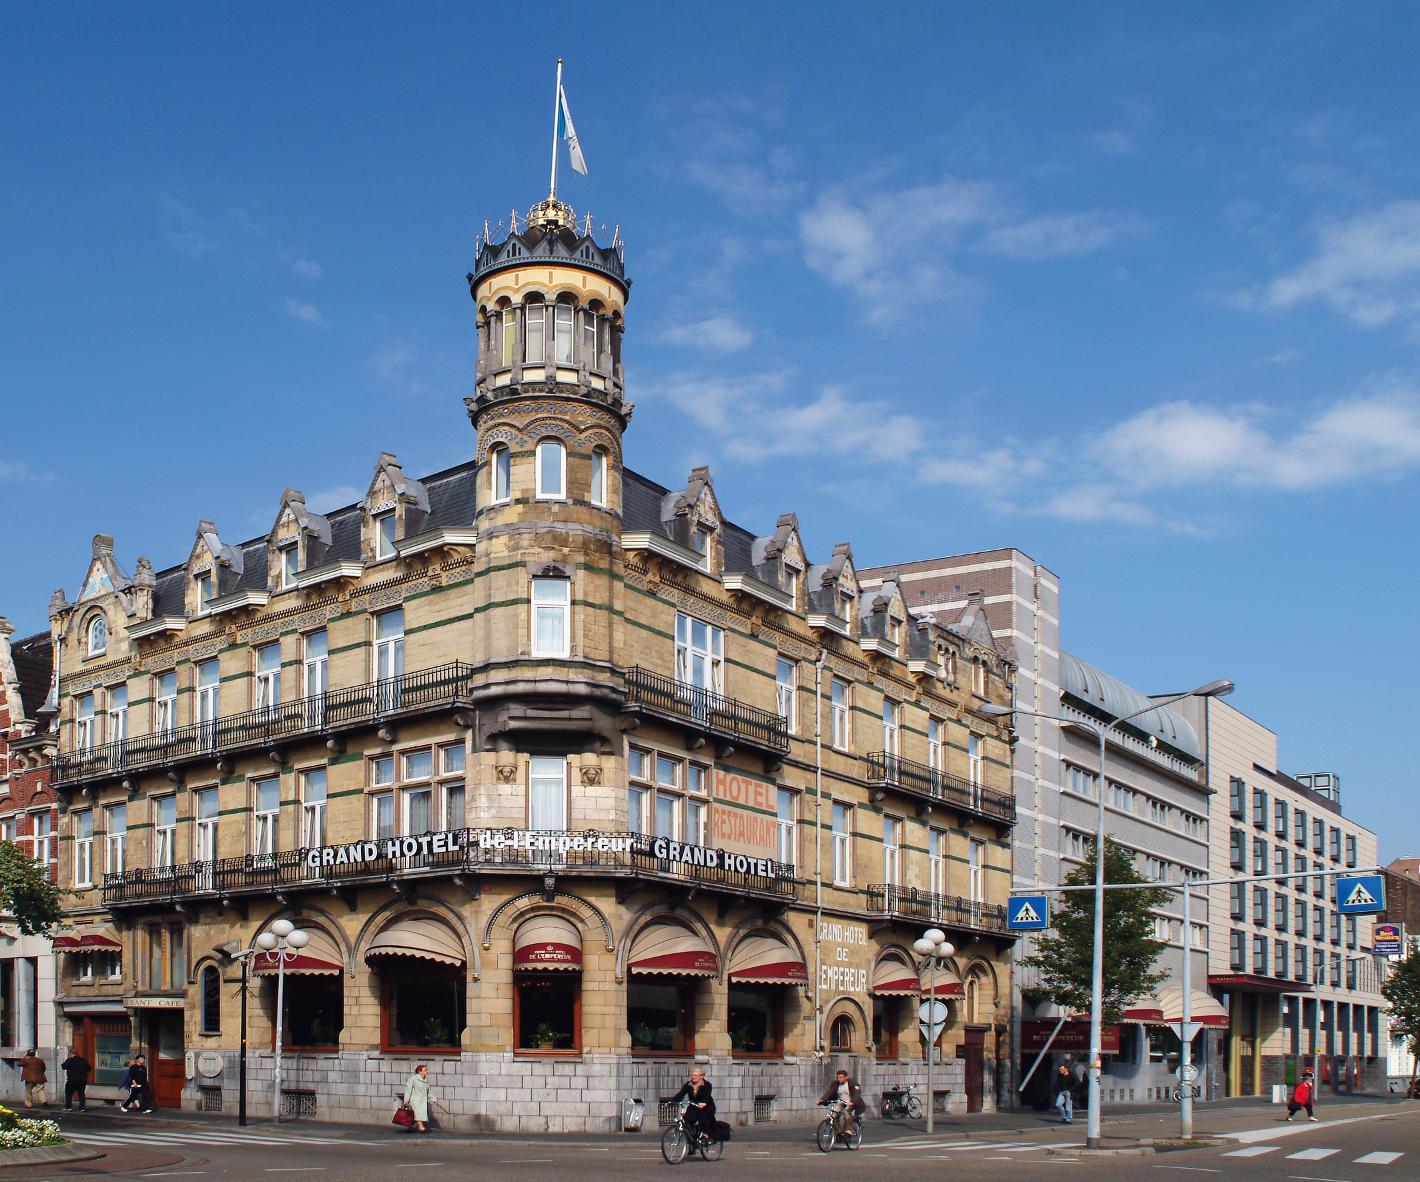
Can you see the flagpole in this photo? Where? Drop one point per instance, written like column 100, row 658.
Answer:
column 556, row 103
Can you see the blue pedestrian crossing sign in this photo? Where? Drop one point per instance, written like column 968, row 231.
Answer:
column 1360, row 894
column 1028, row 913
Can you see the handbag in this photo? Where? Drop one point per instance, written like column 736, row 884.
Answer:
column 402, row 1116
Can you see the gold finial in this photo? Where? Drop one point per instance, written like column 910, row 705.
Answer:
column 552, row 214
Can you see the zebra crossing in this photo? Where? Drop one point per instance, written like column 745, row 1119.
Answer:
column 149, row 1137
column 1378, row 1157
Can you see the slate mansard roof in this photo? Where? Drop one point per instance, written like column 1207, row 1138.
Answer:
column 34, row 669
column 1110, row 696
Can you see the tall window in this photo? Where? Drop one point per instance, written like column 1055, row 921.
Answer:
column 209, row 690
column 313, row 802
column 42, row 827
column 266, row 814
column 507, row 330
column 116, row 728
column 389, row 645
column 315, row 674
column 975, row 869
column 891, row 733
column 116, row 839
column 668, row 796
column 978, row 678
column 784, row 678
column 205, row 584
column 268, row 676
column 382, row 798
column 562, row 333
column 86, row 724
column 842, row 845
column 164, row 830
column 792, row 575
column 84, row 848
column 211, row 1000
column 599, row 471
column 500, row 473
column 934, row 745
column 204, row 828
column 98, row 635
column 973, row 760
column 699, row 654
column 587, row 336
column 384, row 535
column 451, row 763
column 288, row 559
column 937, row 861
column 547, row 792
column 551, row 617
column 786, row 815
column 892, row 850
column 551, row 474
column 416, row 793
column 839, row 699
column 165, row 703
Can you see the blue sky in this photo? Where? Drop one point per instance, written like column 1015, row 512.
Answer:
column 1133, row 287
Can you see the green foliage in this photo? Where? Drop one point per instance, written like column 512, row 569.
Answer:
column 1063, row 955
column 1402, row 991
column 26, row 892
column 437, row 1033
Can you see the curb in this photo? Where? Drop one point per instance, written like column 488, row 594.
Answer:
column 1080, row 1151
column 46, row 1155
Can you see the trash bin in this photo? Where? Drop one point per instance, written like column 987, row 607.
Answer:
column 633, row 1114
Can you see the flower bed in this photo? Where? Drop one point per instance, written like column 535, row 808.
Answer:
column 17, row 1133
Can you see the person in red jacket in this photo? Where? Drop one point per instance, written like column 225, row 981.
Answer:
column 1303, row 1095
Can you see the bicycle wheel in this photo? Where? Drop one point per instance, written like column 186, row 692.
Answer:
column 914, row 1107
column 674, row 1145
column 887, row 1110
column 826, row 1135
column 711, row 1150
column 854, row 1139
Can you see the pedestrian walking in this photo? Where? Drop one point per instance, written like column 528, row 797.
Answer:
column 135, row 1079
column 1303, row 1096
column 417, row 1096
column 76, row 1070
column 1065, row 1094
column 33, row 1077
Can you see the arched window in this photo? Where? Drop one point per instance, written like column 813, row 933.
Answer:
column 840, row 1034
column 973, row 999
column 211, row 1000
column 551, row 470
column 587, row 337
column 599, row 469
column 534, row 331
column 499, row 473
column 507, row 330
column 563, row 315
column 98, row 635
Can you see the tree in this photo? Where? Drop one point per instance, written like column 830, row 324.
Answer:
column 27, row 894
column 1063, row 957
column 1402, row 990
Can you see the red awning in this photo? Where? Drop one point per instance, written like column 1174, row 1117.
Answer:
column 892, row 978
column 93, row 938
column 667, row 949
column 547, row 942
column 319, row 958
column 766, row 960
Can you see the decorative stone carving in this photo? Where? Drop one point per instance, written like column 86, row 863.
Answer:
column 591, row 774
column 506, row 772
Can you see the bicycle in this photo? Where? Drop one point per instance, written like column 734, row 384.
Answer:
column 833, row 1129
column 680, row 1140
column 900, row 1101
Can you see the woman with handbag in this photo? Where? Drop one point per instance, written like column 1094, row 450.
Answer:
column 417, row 1097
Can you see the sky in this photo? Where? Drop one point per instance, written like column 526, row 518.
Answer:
column 1132, row 287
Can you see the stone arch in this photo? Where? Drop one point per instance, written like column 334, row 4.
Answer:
column 194, row 973
column 505, row 434
column 550, row 427
column 95, row 615
column 979, row 972
column 397, row 908
column 657, row 911
column 325, row 920
column 847, row 1005
column 508, row 914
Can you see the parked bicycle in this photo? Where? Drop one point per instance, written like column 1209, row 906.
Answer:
column 839, row 1128
column 899, row 1101
column 681, row 1139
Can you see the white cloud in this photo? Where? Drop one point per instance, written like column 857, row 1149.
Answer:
column 307, row 269
column 305, row 313
column 1058, row 235
column 1367, row 268
column 721, row 334
column 730, row 147
column 398, row 367
column 184, row 229
column 1113, row 142
column 336, row 497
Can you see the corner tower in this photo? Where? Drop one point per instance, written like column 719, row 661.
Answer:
column 549, row 411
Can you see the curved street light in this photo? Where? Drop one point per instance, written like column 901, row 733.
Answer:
column 933, row 948
column 281, row 943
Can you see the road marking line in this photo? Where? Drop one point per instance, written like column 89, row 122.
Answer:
column 1274, row 1131
column 292, row 1169
column 1194, row 1169
column 1252, row 1151
column 988, row 1145
column 1311, row 1154
column 1379, row 1158
column 173, row 1173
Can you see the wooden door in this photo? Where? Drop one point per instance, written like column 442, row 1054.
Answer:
column 973, row 1057
column 165, row 1059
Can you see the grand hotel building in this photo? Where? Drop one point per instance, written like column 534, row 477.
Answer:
column 572, row 782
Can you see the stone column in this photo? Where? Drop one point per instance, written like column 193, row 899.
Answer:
column 26, row 999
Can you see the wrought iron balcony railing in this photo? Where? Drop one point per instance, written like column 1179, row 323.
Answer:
column 707, row 711
column 893, row 771
column 442, row 685
column 951, row 911
column 462, row 851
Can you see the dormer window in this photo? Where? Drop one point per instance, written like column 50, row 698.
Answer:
column 288, row 560
column 978, row 678
column 845, row 605
column 500, row 473
column 949, row 666
column 599, row 471
column 384, row 535
column 97, row 639
column 894, row 629
column 700, row 543
column 551, row 470
column 791, row 583
column 205, row 583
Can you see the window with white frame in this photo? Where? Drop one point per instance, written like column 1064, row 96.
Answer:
column 164, row 830
column 892, row 735
column 934, row 745
column 116, row 838
column 315, row 674
column 551, row 470
column 288, row 565
column 1194, row 826
column 116, row 715
column 381, row 770
column 785, row 678
column 1080, row 844
column 892, row 851
column 599, row 476
column 587, row 337
column 313, row 783
column 86, row 723
column 209, row 690
column 266, row 815
column 1078, row 780
column 7, row 829
column 205, row 584
column 1122, row 798
column 84, row 848
column 839, row 699
column 97, row 635
column 547, row 792
column 975, row 869
column 535, row 332
column 551, row 617
column 1160, row 813
column 165, row 703
column 700, row 542
column 792, row 575
column 268, row 676
column 416, row 793
column 42, row 836
column 562, row 317
column 385, row 542
column 973, row 760
column 842, row 844
column 665, row 811
column 1197, row 936
column 668, row 796
column 937, row 861
column 452, row 757
column 204, row 825
column 845, row 605
column 500, row 473
column 787, row 825
column 389, row 645
column 699, row 654
column 638, row 791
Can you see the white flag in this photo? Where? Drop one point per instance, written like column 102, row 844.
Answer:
column 569, row 133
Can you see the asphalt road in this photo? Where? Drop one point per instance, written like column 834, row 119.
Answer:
column 1352, row 1142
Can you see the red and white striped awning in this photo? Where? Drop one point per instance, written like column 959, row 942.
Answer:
column 892, row 978
column 1166, row 1006
column 547, row 942
column 321, row 957
column 945, row 983
column 667, row 949
column 765, row 959
column 93, row 938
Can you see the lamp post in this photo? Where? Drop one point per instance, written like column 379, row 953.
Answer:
column 1213, row 689
column 281, row 943
column 933, row 948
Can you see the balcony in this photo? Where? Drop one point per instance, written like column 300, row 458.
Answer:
column 359, row 705
column 458, row 852
column 732, row 722
column 951, row 911
column 925, row 783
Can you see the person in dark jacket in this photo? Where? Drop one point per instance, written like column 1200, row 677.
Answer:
column 76, row 1070
column 846, row 1089
column 135, row 1079
column 33, row 1077
column 700, row 1116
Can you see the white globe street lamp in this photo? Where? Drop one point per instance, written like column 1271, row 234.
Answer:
column 281, row 943
column 934, row 948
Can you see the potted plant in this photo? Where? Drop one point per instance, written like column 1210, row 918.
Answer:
column 544, row 1036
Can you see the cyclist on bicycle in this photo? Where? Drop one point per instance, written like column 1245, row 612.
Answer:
column 700, row 1114
column 845, row 1089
